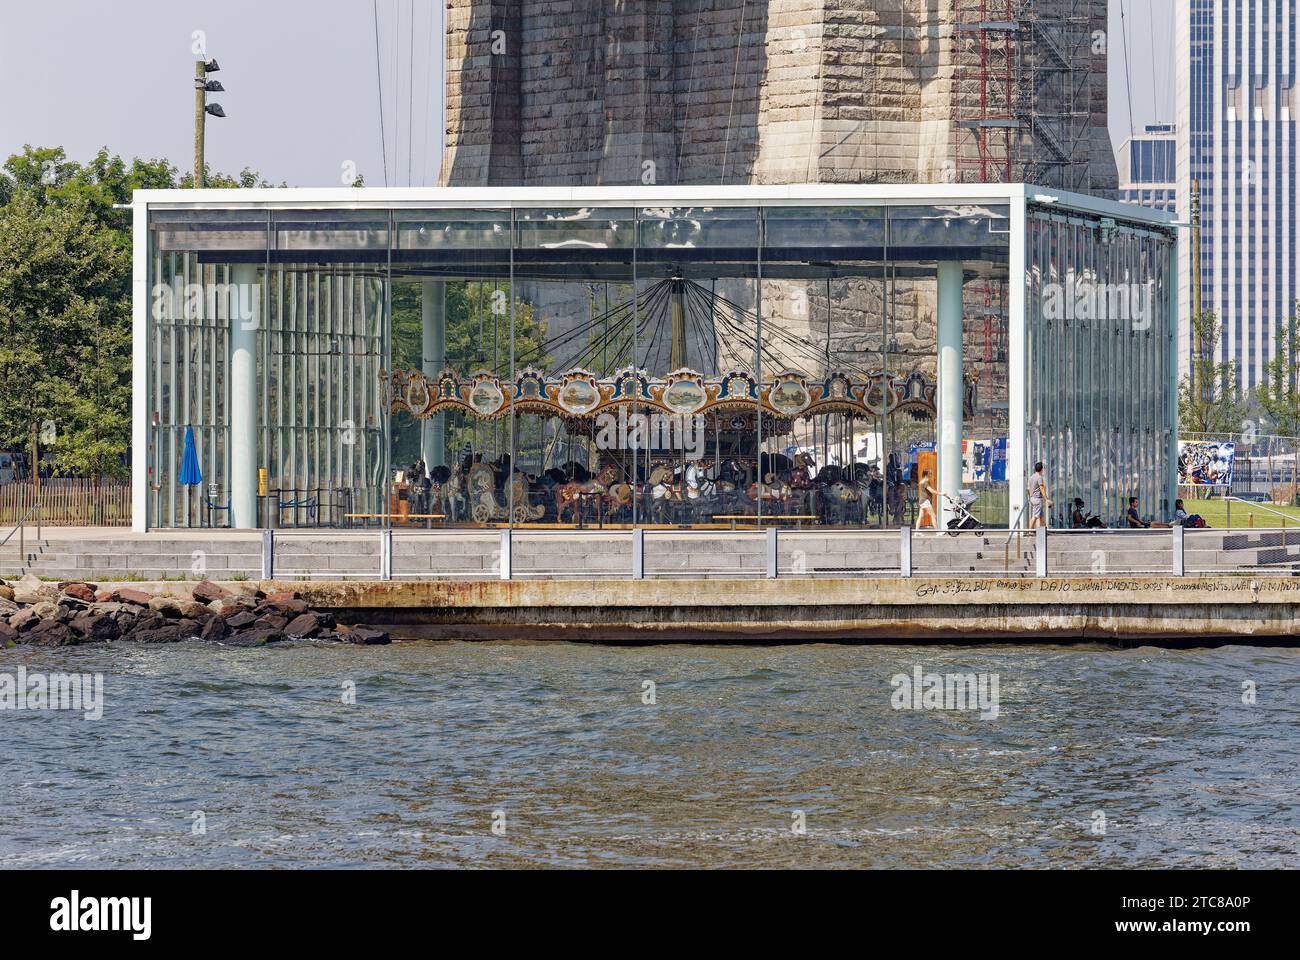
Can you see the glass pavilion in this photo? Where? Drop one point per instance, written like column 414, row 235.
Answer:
column 648, row 355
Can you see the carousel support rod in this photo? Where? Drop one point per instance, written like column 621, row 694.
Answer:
column 949, row 426
column 243, row 400
column 433, row 314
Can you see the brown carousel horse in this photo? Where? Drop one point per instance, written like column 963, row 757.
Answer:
column 569, row 495
column 772, row 488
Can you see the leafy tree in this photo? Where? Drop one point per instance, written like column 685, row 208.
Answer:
column 65, row 354
column 469, row 349
column 1208, row 398
column 1278, row 391
column 65, row 297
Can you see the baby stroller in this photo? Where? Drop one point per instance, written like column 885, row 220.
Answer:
column 962, row 518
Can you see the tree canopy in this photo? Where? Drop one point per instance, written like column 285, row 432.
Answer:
column 65, row 302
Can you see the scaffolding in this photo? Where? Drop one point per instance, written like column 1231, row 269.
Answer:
column 1023, row 77
column 985, row 86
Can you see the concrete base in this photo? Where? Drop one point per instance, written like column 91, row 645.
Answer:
column 883, row 610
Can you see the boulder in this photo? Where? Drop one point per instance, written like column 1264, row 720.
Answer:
column 205, row 591
column 169, row 607
column 189, row 628
column 7, row 606
column 8, row 635
column 24, row 620
column 272, row 620
column 45, row 609
column 309, row 624
column 289, row 606
column 31, row 589
column 95, row 627
column 51, row 633
column 367, row 635
column 215, row 630
column 85, row 592
column 194, row 610
column 257, row 637
column 240, row 619
column 6, row 592
column 168, row 633
column 127, row 595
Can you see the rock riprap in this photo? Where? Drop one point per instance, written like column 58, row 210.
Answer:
column 42, row 613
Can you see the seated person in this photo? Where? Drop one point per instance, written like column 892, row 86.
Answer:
column 1132, row 517
column 1184, row 519
column 1079, row 517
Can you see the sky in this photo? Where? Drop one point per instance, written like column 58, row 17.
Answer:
column 302, row 98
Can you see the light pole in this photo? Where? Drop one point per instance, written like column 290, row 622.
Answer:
column 202, row 86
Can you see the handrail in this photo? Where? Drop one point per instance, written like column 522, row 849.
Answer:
column 1255, row 503
column 1013, row 531
column 1015, row 524
column 17, row 526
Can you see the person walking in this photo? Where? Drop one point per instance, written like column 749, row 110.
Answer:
column 926, row 495
column 1039, row 501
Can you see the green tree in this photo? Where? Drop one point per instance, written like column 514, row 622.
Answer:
column 65, row 299
column 476, row 320
column 1208, row 398
column 65, row 354
column 1278, row 391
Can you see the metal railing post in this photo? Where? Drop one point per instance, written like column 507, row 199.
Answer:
column 772, row 554
column 1040, row 550
column 1180, row 565
column 904, row 551
column 638, row 553
column 507, row 543
column 268, row 554
column 386, row 553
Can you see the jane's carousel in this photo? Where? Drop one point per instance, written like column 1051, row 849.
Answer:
column 686, row 449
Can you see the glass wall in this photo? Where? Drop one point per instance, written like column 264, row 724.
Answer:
column 723, row 365
column 1100, row 374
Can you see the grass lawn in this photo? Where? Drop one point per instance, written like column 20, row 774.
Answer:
column 1215, row 513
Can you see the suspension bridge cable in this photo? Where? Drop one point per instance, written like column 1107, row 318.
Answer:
column 379, row 78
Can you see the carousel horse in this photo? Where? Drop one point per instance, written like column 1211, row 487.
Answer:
column 697, row 483
column 664, row 490
column 568, row 496
column 801, row 481
column 772, row 488
column 485, row 505
column 434, row 499
column 619, row 500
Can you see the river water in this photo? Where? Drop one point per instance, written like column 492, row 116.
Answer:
column 777, row 756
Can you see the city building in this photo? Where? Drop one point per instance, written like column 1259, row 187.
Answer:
column 1236, row 112
column 1148, row 165
column 641, row 355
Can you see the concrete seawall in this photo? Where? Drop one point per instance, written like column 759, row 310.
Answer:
column 1115, row 610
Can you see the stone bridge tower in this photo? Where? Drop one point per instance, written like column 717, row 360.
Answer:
column 563, row 92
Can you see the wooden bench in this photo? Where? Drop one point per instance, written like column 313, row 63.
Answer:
column 430, row 517
column 798, row 518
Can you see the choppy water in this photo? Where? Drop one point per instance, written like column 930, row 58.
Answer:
column 557, row 737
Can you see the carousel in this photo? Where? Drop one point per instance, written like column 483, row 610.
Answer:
column 684, row 449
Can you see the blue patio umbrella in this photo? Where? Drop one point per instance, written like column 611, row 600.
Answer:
column 191, row 475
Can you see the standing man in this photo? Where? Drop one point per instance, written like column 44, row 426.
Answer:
column 1038, row 498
